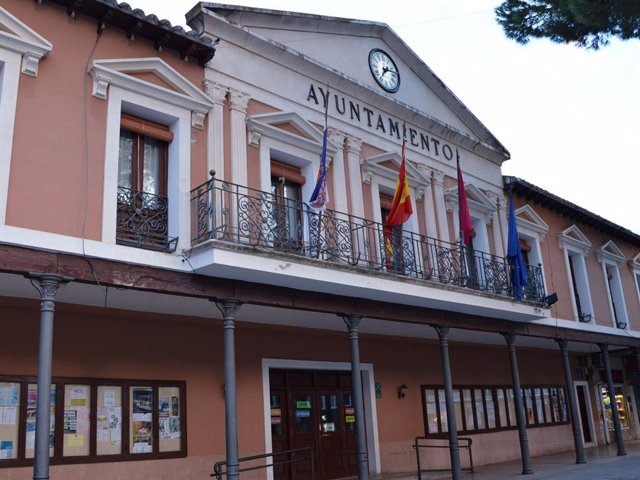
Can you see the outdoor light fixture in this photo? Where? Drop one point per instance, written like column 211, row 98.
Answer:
column 402, row 391
column 550, row 299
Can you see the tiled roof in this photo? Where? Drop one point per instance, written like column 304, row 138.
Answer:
column 137, row 24
column 549, row 200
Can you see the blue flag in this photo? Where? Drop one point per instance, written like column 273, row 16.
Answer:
column 320, row 196
column 514, row 255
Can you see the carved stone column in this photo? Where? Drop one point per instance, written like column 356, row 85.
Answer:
column 228, row 307
column 355, row 178
column 339, row 173
column 352, row 322
column 238, row 103
column 498, row 246
column 519, row 404
column 429, row 210
column 452, row 428
column 441, row 209
column 215, row 132
column 47, row 285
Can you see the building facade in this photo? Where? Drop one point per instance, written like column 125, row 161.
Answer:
column 156, row 243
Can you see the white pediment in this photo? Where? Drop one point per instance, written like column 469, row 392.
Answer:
column 274, row 125
column 573, row 238
column 183, row 93
column 634, row 263
column 528, row 220
column 610, row 251
column 387, row 165
column 335, row 51
column 18, row 37
column 477, row 200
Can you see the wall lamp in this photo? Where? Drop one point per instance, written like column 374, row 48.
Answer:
column 550, row 299
column 402, row 391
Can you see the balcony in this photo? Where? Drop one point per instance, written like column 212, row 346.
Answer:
column 142, row 221
column 235, row 214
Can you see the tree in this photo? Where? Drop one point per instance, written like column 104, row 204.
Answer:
column 587, row 23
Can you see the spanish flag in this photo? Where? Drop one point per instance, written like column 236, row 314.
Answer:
column 401, row 208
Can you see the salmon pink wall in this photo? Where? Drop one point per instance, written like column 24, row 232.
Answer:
column 58, row 149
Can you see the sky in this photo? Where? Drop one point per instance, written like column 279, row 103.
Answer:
column 566, row 115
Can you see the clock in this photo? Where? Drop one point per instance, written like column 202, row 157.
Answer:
column 384, row 70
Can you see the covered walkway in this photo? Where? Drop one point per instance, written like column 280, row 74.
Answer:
column 602, row 464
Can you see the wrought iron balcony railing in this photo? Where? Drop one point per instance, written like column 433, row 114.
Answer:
column 241, row 215
column 142, row 221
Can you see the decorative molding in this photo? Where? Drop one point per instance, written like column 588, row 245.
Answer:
column 117, row 72
column 528, row 220
column 216, row 92
column 609, row 252
column 354, row 144
column 254, row 137
column 438, row 177
column 374, row 165
column 634, row 263
column 238, row 100
column 572, row 238
column 18, row 37
column 367, row 177
column 267, row 125
column 337, row 137
column 477, row 200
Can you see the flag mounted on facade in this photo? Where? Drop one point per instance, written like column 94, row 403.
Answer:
column 320, row 196
column 464, row 217
column 514, row 255
column 401, row 207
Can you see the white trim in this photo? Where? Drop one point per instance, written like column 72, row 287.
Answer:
column 9, row 82
column 27, row 42
column 178, row 184
column 609, row 252
column 617, row 284
column 374, row 166
column 588, row 408
column 587, row 306
column 106, row 73
column 261, row 126
column 536, row 225
column 573, row 239
column 368, row 390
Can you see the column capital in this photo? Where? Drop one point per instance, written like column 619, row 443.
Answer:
column 337, row 137
column 563, row 343
column 496, row 199
column 238, row 100
column 510, row 339
column 227, row 306
column 354, row 144
column 438, row 177
column 351, row 320
column 427, row 173
column 47, row 285
column 215, row 91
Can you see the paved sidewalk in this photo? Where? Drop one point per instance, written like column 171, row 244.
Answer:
column 602, row 464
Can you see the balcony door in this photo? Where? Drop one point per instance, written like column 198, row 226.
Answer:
column 286, row 210
column 142, row 218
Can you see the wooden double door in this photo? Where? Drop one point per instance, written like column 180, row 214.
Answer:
column 313, row 409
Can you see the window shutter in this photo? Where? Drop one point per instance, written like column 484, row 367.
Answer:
column 146, row 127
column 289, row 172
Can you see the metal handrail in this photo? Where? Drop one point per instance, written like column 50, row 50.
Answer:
column 218, row 472
column 238, row 214
column 417, row 446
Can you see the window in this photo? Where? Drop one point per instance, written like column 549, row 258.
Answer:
column 287, row 222
column 576, row 247
column 611, row 257
column 393, row 238
column 489, row 409
column 94, row 420
column 142, row 219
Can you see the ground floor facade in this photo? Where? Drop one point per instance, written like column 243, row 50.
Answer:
column 142, row 395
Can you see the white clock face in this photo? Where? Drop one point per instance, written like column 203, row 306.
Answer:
column 384, row 70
